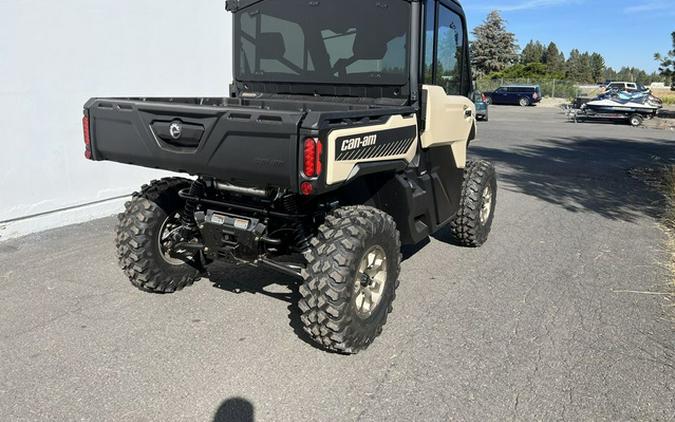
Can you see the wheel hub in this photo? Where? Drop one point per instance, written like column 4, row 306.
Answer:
column 168, row 233
column 371, row 278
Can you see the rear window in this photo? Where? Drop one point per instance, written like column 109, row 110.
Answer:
column 329, row 42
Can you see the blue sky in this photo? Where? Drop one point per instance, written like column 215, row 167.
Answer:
column 626, row 32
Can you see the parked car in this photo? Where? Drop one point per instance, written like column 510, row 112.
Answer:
column 523, row 95
column 625, row 86
column 481, row 106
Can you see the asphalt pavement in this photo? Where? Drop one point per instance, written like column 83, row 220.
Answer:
column 559, row 316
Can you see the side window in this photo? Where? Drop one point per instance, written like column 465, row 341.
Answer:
column 449, row 63
column 448, row 67
column 429, row 32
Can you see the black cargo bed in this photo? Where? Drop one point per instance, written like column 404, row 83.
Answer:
column 247, row 145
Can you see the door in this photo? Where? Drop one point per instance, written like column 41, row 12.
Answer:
column 500, row 96
column 447, row 66
column 446, row 49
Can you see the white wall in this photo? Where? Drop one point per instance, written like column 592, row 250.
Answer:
column 54, row 55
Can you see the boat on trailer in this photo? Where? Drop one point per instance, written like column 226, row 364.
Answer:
column 633, row 108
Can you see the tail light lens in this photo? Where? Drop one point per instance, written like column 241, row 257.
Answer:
column 484, row 98
column 87, row 137
column 306, row 188
column 312, row 166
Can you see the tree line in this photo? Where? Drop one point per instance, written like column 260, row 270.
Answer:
column 495, row 54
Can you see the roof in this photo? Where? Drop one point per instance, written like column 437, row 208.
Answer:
column 521, row 86
column 234, row 5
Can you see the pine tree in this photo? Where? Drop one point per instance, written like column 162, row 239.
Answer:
column 554, row 59
column 573, row 66
column 579, row 67
column 533, row 53
column 597, row 67
column 494, row 48
column 586, row 68
column 667, row 64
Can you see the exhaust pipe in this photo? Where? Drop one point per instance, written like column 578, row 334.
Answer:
column 260, row 193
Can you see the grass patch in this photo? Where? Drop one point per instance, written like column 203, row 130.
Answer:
column 668, row 99
column 669, row 222
column 669, row 191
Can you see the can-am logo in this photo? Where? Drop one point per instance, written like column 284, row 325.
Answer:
column 176, row 130
column 360, row 142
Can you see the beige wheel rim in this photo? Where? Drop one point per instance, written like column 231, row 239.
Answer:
column 371, row 279
column 486, row 208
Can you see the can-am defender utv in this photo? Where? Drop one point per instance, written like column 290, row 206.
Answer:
column 344, row 136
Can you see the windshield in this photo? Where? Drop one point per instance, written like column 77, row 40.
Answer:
column 328, row 41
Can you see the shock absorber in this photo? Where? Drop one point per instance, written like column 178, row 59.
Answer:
column 198, row 189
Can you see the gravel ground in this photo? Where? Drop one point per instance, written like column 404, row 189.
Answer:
column 542, row 323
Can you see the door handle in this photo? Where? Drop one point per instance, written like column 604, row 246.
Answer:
column 468, row 113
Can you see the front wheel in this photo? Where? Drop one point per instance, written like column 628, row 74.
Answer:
column 473, row 222
column 351, row 278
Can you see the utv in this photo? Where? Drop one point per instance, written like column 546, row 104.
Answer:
column 344, row 137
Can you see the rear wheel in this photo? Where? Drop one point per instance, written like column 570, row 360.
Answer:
column 635, row 120
column 473, row 222
column 351, row 278
column 524, row 102
column 488, row 100
column 146, row 234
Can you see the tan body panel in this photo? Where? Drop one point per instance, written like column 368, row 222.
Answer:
column 447, row 122
column 340, row 170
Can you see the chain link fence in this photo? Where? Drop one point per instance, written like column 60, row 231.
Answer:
column 551, row 88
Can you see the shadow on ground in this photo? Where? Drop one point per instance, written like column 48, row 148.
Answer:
column 585, row 174
column 250, row 280
column 235, row 410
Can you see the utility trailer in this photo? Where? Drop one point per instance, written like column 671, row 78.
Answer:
column 633, row 117
column 344, row 137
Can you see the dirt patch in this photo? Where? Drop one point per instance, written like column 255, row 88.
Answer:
column 548, row 102
column 662, row 179
column 660, row 123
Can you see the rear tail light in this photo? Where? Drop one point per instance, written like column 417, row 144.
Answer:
column 306, row 188
column 87, row 137
column 312, row 166
column 535, row 95
column 484, row 98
